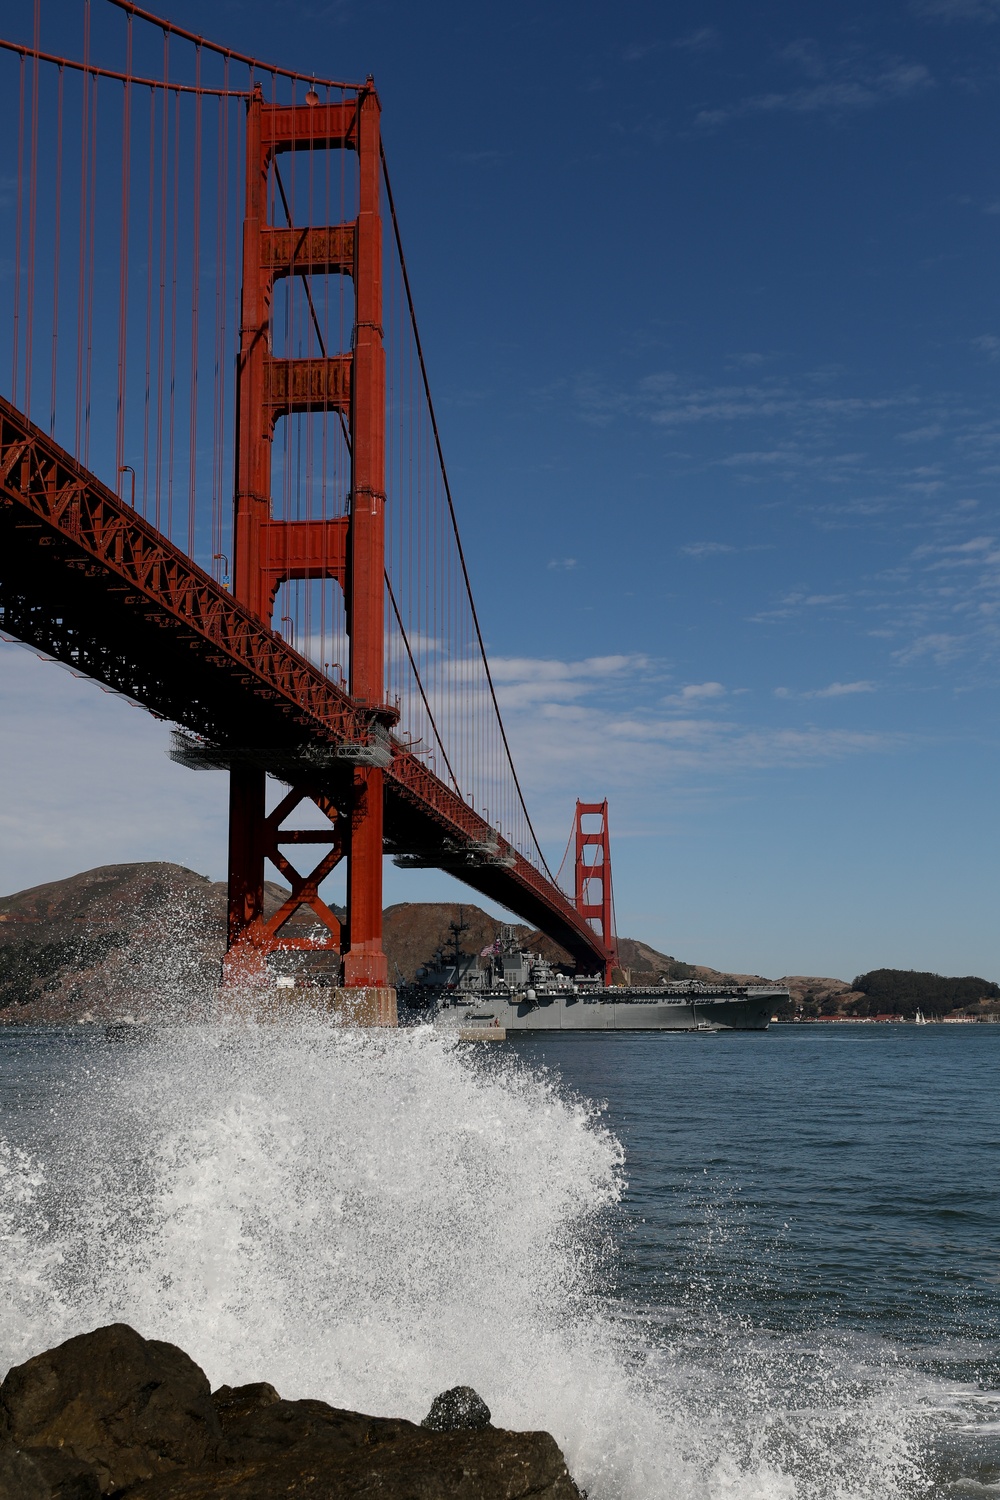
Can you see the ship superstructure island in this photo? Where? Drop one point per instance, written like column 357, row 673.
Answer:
column 508, row 987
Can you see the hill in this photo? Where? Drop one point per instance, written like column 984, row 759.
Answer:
column 903, row 991
column 141, row 939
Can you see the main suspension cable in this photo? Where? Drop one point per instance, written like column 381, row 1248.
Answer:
column 229, row 52
column 23, row 50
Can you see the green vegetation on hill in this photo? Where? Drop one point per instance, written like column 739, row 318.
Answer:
column 902, row 991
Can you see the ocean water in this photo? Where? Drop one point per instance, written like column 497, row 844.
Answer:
column 757, row 1266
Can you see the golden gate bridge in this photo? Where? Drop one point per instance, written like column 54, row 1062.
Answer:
column 222, row 486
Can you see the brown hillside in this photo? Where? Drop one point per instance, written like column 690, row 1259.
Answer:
column 825, row 996
column 415, row 930
column 644, row 965
column 140, row 939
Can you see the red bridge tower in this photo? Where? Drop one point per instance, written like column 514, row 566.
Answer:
column 593, row 868
column 350, row 548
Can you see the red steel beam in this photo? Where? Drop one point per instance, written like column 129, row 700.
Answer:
column 40, row 478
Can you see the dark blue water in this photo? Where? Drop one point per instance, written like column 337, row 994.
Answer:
column 836, row 1184
column 758, row 1266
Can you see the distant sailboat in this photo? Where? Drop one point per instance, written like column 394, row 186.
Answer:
column 918, row 1019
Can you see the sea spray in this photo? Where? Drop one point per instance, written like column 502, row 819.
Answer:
column 372, row 1218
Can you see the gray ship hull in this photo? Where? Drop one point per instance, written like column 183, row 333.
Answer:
column 745, row 1012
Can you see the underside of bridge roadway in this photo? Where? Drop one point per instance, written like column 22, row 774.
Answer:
column 58, row 600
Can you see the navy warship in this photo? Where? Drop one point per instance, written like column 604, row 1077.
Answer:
column 507, row 988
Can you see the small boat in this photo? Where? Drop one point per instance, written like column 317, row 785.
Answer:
column 918, row 1019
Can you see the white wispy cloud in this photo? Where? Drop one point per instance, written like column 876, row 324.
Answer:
column 800, row 599
column 843, row 689
column 834, row 690
column 598, row 725
column 666, row 399
column 550, row 669
column 636, row 51
column 749, row 360
column 523, row 681
column 940, row 646
column 696, row 692
column 940, row 605
column 767, row 457
column 811, row 601
column 566, row 563
column 791, row 458
column 706, row 549
column 958, row 10
column 478, row 158
column 976, row 552
column 594, row 751
column 845, row 87
column 698, row 40
column 732, row 403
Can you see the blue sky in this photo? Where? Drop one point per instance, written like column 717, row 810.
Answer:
column 709, row 300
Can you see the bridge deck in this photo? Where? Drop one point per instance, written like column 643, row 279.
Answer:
column 88, row 581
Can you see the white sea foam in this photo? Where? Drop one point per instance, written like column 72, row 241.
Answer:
column 370, row 1219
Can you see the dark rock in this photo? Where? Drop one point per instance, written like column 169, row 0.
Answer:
column 130, row 1407
column 417, row 1465
column 232, row 1401
column 19, row 1477
column 45, row 1474
column 254, row 1433
column 456, row 1410
column 112, row 1413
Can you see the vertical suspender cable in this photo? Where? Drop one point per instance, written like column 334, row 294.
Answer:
column 32, row 216
column 222, row 189
column 172, row 370
column 151, row 174
column 312, row 422
column 225, row 109
column 17, row 231
column 91, row 233
column 162, row 309
column 55, row 250
column 123, row 256
column 195, row 305
column 88, row 83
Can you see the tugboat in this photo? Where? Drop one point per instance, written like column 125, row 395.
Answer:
column 510, row 988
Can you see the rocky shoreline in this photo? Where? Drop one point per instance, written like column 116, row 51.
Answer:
column 112, row 1414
